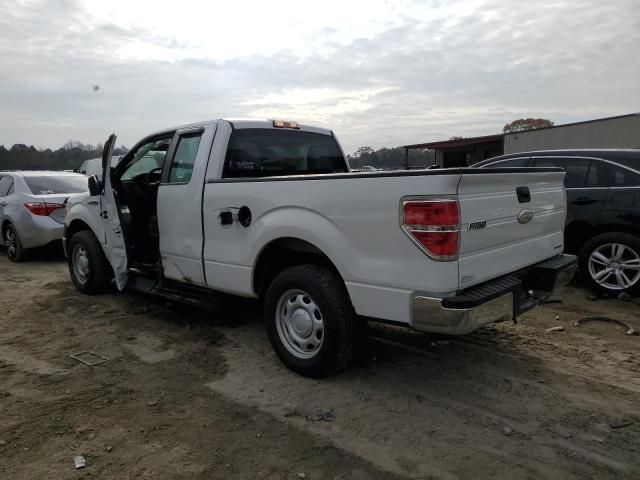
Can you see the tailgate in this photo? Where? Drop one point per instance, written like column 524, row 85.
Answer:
column 502, row 230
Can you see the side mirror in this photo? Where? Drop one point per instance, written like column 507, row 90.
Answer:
column 95, row 188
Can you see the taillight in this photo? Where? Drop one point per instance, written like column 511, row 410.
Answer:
column 433, row 225
column 43, row 208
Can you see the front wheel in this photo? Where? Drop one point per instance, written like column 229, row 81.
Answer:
column 89, row 269
column 610, row 263
column 310, row 321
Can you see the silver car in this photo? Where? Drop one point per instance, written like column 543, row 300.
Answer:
column 32, row 208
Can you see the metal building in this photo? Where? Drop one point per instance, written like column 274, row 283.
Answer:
column 613, row 132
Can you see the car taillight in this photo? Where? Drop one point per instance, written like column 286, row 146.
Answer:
column 43, row 208
column 433, row 225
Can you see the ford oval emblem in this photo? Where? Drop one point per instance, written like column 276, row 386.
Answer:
column 525, row 216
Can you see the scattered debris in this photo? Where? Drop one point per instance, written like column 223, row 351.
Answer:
column 507, row 431
column 80, row 461
column 596, row 318
column 440, row 343
column 552, row 300
column 152, row 403
column 89, row 358
column 557, row 317
column 3, row 442
column 554, row 329
column 290, row 412
column 302, row 475
column 593, row 298
column 624, row 296
column 620, row 424
column 108, row 448
column 327, row 416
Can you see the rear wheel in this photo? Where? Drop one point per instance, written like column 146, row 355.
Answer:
column 89, row 269
column 610, row 263
column 15, row 252
column 310, row 320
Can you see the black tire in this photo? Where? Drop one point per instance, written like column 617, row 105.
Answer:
column 15, row 252
column 99, row 274
column 326, row 290
column 601, row 241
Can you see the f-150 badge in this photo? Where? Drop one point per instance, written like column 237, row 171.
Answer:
column 477, row 225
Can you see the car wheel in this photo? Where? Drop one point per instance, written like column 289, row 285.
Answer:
column 15, row 252
column 310, row 320
column 610, row 263
column 89, row 269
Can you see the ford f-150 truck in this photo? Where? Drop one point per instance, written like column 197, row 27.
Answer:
column 270, row 210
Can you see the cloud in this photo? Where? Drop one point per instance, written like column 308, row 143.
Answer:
column 381, row 76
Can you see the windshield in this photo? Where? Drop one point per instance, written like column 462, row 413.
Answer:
column 47, row 185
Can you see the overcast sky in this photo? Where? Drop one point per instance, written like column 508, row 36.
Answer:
column 379, row 73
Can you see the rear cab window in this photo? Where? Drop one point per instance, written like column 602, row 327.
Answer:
column 263, row 152
column 47, row 185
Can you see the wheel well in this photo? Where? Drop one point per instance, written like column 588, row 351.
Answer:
column 282, row 254
column 578, row 234
column 75, row 227
column 4, row 225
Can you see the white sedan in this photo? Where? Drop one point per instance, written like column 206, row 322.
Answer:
column 32, row 208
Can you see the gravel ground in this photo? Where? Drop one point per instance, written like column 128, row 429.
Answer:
column 189, row 394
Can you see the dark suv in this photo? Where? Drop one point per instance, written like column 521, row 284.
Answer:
column 603, row 217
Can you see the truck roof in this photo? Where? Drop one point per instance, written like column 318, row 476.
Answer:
column 240, row 123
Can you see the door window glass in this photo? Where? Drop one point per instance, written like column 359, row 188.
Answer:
column 148, row 157
column 512, row 162
column 184, row 159
column 576, row 169
column 621, row 177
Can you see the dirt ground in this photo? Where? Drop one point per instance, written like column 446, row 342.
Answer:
column 189, row 394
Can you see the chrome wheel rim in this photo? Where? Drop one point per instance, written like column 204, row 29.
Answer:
column 300, row 324
column 615, row 266
column 80, row 263
column 11, row 242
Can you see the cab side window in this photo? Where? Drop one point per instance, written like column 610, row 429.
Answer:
column 621, row 177
column 183, row 160
column 6, row 186
column 576, row 169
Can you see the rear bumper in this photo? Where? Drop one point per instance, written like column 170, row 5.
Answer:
column 39, row 231
column 499, row 300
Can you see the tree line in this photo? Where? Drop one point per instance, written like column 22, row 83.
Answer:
column 71, row 155
column 390, row 158
column 68, row 157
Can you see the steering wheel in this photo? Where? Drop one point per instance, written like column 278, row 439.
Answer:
column 151, row 178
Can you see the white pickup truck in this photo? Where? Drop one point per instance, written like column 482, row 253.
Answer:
column 270, row 210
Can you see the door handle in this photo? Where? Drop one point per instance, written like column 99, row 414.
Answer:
column 584, row 201
column 3, row 204
column 524, row 195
